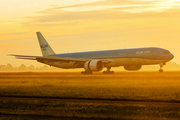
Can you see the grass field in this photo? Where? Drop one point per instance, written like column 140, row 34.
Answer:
column 123, row 85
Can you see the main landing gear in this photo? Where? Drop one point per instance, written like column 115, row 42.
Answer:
column 86, row 72
column 161, row 65
column 108, row 71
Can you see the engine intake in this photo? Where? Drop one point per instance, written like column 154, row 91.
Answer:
column 94, row 65
column 133, row 67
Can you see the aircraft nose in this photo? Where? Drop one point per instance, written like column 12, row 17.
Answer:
column 171, row 56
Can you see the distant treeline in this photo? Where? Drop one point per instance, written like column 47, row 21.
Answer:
column 22, row 67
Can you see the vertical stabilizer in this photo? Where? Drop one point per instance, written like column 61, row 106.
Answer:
column 45, row 47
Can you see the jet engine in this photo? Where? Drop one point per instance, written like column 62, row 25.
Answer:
column 94, row 65
column 133, row 67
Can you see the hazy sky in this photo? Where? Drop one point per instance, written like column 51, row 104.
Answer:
column 85, row 25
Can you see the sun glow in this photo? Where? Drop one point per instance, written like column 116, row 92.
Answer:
column 87, row 25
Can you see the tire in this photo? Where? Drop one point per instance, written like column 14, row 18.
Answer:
column 108, row 72
column 160, row 70
column 86, row 73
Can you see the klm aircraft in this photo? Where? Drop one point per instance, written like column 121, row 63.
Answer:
column 94, row 61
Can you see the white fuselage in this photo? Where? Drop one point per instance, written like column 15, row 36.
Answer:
column 120, row 57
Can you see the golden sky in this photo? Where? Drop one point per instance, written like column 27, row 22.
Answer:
column 85, row 25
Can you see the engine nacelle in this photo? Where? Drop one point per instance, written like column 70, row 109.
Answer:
column 94, row 65
column 133, row 67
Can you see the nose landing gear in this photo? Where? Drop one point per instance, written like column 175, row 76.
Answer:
column 108, row 71
column 161, row 65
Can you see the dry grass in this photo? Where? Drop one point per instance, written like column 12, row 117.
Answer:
column 149, row 85
column 128, row 85
column 44, row 109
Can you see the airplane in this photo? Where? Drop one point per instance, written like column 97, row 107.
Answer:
column 94, row 61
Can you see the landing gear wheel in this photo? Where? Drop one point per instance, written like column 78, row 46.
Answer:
column 108, row 72
column 160, row 70
column 86, row 72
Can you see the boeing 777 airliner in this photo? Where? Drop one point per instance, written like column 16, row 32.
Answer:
column 94, row 61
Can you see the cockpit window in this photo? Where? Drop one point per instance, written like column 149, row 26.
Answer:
column 166, row 52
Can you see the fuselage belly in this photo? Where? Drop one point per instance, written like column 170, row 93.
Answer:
column 114, row 63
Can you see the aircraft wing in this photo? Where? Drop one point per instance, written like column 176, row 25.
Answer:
column 49, row 58
column 54, row 58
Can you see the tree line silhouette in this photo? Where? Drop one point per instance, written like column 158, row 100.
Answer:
column 22, row 67
column 9, row 67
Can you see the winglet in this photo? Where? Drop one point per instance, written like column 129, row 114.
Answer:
column 45, row 47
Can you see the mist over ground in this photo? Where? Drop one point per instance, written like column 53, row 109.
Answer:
column 170, row 66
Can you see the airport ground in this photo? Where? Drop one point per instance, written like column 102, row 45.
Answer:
column 62, row 95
